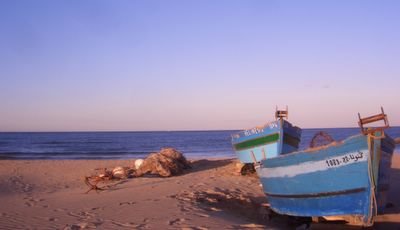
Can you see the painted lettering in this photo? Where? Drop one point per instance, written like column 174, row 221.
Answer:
column 273, row 125
column 253, row 131
column 349, row 158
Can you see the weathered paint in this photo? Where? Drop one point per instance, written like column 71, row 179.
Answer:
column 259, row 141
column 269, row 150
column 330, row 162
column 329, row 181
column 353, row 203
column 270, row 140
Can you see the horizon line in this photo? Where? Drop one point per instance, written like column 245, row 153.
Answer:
column 182, row 130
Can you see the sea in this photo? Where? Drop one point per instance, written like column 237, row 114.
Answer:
column 127, row 145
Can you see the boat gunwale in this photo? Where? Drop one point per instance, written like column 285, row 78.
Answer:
column 261, row 127
column 313, row 150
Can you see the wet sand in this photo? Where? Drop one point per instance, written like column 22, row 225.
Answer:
column 49, row 194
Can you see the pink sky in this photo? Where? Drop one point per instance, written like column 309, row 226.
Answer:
column 199, row 66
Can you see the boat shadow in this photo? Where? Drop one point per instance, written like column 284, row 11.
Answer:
column 390, row 219
column 252, row 210
column 232, row 203
column 393, row 199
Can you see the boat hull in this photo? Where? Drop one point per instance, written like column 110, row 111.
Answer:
column 341, row 179
column 271, row 140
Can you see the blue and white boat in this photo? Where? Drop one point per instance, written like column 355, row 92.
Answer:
column 348, row 178
column 268, row 141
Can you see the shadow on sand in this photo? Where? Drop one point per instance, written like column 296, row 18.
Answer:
column 251, row 207
column 387, row 221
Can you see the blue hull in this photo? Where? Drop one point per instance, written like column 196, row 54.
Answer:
column 269, row 141
column 347, row 178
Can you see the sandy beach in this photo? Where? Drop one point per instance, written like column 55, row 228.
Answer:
column 50, row 194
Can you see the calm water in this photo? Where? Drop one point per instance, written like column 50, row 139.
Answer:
column 112, row 145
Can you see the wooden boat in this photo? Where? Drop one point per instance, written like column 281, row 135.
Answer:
column 348, row 178
column 275, row 138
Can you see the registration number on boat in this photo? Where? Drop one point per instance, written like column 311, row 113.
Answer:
column 253, row 131
column 257, row 130
column 346, row 159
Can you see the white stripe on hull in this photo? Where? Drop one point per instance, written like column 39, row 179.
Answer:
column 315, row 166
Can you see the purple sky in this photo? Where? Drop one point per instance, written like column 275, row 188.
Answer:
column 196, row 65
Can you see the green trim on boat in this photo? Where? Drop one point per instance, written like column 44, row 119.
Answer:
column 258, row 141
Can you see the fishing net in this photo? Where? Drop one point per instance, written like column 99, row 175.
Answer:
column 320, row 139
column 167, row 162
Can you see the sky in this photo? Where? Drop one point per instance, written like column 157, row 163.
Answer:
column 196, row 65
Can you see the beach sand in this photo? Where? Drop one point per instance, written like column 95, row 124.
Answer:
column 50, row 194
